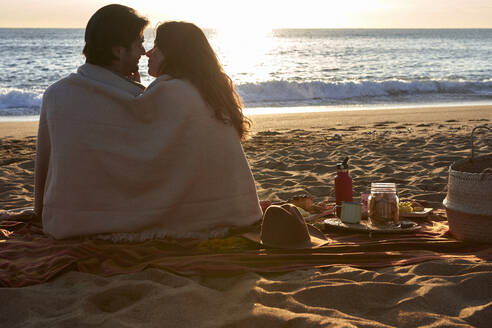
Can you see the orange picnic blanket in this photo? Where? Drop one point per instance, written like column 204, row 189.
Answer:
column 27, row 256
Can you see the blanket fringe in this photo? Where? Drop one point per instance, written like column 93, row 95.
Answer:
column 122, row 237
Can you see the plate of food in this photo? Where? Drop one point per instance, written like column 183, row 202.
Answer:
column 413, row 210
column 417, row 214
column 309, row 210
column 366, row 226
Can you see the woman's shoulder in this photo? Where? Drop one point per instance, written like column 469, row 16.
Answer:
column 161, row 79
column 168, row 82
column 171, row 90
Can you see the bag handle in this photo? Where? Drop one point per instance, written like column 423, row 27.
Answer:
column 473, row 146
column 485, row 173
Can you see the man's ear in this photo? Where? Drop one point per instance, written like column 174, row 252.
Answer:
column 116, row 50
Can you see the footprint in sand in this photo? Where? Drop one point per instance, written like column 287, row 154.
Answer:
column 274, row 164
column 27, row 165
column 385, row 123
column 310, row 179
column 119, row 298
column 320, row 191
column 288, row 183
column 268, row 133
column 374, row 294
column 322, row 169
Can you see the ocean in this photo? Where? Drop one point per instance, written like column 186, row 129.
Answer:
column 285, row 70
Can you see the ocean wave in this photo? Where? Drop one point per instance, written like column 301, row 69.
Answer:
column 17, row 102
column 284, row 91
column 14, row 102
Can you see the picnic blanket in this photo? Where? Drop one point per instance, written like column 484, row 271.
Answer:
column 28, row 256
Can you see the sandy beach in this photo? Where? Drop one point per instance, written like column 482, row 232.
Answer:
column 289, row 154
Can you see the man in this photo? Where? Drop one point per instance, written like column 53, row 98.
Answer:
column 113, row 40
column 80, row 123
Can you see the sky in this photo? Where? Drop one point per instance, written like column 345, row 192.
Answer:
column 262, row 14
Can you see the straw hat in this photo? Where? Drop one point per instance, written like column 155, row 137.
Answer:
column 284, row 227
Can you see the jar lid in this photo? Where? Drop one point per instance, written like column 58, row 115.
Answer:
column 382, row 186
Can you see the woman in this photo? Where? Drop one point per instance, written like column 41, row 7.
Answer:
column 200, row 182
column 182, row 51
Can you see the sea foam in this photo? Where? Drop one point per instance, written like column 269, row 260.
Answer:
column 14, row 102
column 283, row 91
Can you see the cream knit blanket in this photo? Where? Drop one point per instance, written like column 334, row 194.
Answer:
column 135, row 167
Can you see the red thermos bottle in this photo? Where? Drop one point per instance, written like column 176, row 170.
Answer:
column 343, row 185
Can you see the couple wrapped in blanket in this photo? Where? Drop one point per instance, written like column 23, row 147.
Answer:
column 120, row 161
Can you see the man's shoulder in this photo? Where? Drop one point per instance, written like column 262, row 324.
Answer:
column 103, row 77
column 59, row 86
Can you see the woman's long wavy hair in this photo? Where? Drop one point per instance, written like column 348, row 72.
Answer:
column 188, row 55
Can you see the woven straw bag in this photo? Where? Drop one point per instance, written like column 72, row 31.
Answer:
column 469, row 199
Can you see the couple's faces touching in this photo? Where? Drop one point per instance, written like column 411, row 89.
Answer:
column 129, row 58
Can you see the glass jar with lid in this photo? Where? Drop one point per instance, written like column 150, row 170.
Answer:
column 383, row 204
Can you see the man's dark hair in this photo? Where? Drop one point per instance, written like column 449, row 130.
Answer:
column 112, row 25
